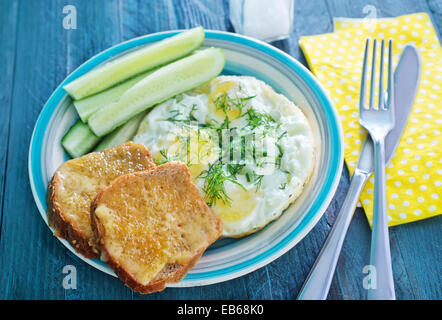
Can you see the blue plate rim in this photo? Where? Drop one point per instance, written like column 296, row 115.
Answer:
column 309, row 220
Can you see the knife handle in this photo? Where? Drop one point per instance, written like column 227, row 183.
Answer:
column 318, row 281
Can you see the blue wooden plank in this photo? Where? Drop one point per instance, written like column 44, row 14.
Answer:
column 421, row 250
column 139, row 18
column 52, row 52
column 33, row 267
column 8, row 34
column 435, row 11
column 27, row 249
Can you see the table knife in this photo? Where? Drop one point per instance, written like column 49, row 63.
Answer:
column 406, row 81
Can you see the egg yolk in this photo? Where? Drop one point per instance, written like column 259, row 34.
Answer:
column 202, row 151
column 242, row 203
column 218, row 99
column 196, row 149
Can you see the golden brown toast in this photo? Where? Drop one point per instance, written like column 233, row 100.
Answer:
column 77, row 182
column 153, row 226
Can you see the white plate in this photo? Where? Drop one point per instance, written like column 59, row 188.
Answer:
column 227, row 258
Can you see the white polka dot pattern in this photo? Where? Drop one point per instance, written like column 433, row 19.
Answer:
column 414, row 174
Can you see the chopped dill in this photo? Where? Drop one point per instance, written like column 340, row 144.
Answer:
column 221, row 102
column 234, row 168
column 214, row 178
column 218, row 173
column 257, row 119
column 165, row 159
column 191, row 116
column 181, row 154
column 283, row 186
column 280, row 155
column 225, row 124
column 226, row 103
column 257, row 180
column 177, row 113
column 174, row 115
column 282, row 135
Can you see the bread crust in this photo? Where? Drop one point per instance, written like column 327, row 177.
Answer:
column 164, row 277
column 64, row 228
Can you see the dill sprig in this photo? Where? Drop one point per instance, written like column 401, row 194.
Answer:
column 256, row 178
column 166, row 158
column 174, row 115
column 280, row 155
column 177, row 113
column 224, row 125
column 259, row 119
column 227, row 103
column 282, row 135
column 214, row 178
column 181, row 154
column 234, row 168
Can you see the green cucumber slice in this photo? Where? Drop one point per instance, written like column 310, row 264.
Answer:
column 164, row 83
column 135, row 62
column 89, row 105
column 79, row 140
column 122, row 134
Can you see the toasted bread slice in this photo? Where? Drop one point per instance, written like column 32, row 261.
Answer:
column 153, row 226
column 77, row 182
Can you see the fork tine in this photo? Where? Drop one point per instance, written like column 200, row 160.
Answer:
column 390, row 89
column 363, row 78
column 373, row 73
column 381, row 78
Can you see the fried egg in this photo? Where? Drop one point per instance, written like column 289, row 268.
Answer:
column 249, row 149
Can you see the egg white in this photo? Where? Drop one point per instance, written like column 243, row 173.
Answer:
column 253, row 202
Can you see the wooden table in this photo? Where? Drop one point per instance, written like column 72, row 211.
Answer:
column 37, row 53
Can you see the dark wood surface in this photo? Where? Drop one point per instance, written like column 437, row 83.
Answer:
column 36, row 54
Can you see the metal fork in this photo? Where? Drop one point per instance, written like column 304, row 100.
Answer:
column 378, row 122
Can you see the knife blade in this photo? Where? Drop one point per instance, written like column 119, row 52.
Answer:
column 406, row 82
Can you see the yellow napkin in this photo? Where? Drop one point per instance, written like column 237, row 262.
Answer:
column 414, row 175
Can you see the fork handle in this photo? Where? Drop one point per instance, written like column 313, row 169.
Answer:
column 380, row 256
column 317, row 284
